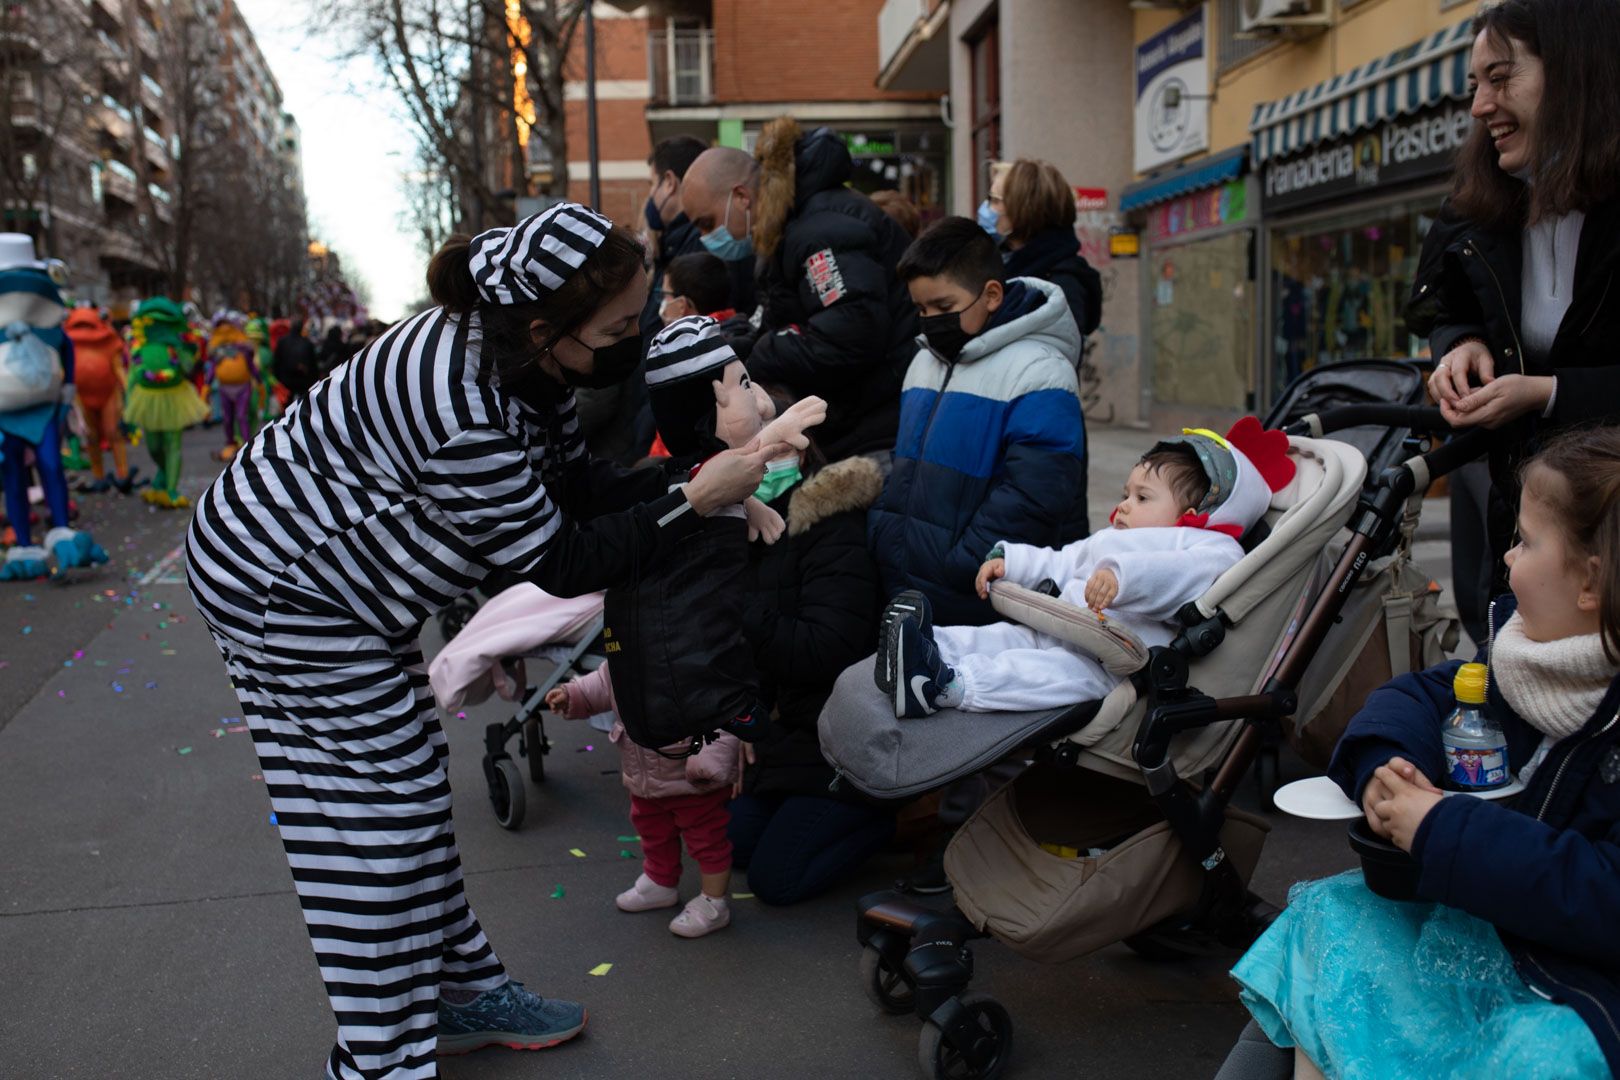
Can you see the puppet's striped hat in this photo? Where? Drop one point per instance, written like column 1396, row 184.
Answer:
column 688, row 348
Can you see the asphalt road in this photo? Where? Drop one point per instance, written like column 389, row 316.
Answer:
column 149, row 928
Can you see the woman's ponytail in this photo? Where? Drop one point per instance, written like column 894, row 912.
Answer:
column 449, row 278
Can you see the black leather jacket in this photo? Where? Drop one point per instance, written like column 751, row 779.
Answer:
column 1469, row 283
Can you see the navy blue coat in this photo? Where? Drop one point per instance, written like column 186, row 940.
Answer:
column 992, row 448
column 1545, row 870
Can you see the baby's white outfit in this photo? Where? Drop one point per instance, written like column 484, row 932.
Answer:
column 1005, row 667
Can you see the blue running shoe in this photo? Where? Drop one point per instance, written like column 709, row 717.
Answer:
column 508, row 1016
column 912, row 603
column 921, row 674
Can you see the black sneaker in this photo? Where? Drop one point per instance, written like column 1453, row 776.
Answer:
column 913, row 603
column 921, row 674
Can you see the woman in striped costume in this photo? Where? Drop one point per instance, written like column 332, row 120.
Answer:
column 444, row 453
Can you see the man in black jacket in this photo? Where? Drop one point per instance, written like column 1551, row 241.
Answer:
column 837, row 319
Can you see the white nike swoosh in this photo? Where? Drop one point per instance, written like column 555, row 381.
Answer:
column 918, row 682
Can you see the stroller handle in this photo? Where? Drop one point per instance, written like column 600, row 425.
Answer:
column 1411, row 417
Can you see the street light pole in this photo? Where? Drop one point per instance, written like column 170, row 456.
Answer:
column 590, row 106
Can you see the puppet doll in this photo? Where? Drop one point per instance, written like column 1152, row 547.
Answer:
column 681, row 667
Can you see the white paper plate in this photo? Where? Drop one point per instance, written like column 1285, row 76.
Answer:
column 1317, row 798
column 1320, row 799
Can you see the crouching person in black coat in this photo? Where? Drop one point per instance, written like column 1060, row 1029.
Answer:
column 811, row 612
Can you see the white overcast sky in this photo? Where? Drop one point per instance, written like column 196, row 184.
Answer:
column 354, row 150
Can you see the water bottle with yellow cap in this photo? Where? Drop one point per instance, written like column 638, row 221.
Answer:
column 1476, row 747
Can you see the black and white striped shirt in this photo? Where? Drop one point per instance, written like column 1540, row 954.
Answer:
column 396, row 485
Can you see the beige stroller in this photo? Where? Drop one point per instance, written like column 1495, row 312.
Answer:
column 1121, row 829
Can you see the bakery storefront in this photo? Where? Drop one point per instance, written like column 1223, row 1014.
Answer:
column 1351, row 174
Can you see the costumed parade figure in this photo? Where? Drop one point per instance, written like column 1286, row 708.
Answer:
column 233, row 374
column 160, row 400
column 36, row 386
column 268, row 396
column 100, row 369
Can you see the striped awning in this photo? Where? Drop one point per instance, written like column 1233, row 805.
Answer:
column 1423, row 73
column 1184, row 179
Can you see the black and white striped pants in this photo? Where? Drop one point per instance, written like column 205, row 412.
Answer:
column 356, row 765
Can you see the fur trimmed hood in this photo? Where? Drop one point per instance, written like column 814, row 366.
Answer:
column 793, row 166
column 851, row 484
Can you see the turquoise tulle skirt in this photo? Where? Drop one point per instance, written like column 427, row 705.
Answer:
column 1373, row 989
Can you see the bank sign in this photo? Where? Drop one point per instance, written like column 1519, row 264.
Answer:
column 1172, row 94
column 1402, row 149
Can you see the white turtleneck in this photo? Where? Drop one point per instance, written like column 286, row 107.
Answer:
column 1550, row 248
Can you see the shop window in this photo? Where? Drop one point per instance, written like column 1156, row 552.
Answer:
column 1338, row 286
column 1203, row 324
column 985, row 60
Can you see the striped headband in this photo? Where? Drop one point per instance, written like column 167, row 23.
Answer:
column 687, row 348
column 533, row 258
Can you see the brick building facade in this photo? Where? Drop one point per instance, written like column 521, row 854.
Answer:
column 720, row 69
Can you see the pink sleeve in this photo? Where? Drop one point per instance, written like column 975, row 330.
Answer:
column 589, row 694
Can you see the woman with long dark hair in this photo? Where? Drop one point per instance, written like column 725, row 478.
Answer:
column 1516, row 289
column 446, row 451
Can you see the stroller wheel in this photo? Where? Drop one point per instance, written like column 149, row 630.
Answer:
column 977, row 1049
column 506, row 793
column 885, row 983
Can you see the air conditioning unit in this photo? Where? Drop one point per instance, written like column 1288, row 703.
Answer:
column 1262, row 16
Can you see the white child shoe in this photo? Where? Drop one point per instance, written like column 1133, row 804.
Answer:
column 647, row 895
column 702, row 915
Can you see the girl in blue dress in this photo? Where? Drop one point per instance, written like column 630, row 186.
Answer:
column 1509, row 963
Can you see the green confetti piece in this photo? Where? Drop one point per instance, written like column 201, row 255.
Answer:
column 185, row 750
column 576, row 853
column 623, row 854
column 600, row 969
column 557, row 893
column 742, row 896
column 628, row 839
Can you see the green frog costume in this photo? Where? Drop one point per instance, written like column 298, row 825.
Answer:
column 160, row 399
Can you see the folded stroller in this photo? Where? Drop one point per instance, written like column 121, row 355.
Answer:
column 1122, row 830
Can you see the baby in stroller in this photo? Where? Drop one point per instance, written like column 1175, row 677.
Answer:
column 1187, row 504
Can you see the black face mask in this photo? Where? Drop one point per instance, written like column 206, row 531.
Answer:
column 945, row 334
column 610, row 365
column 655, row 220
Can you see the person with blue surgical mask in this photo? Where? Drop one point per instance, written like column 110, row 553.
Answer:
column 835, row 321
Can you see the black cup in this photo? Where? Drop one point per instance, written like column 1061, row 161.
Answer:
column 1389, row 871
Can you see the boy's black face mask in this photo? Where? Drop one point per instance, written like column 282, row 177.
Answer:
column 944, row 333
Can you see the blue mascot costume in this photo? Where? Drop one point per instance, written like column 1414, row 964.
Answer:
column 36, row 390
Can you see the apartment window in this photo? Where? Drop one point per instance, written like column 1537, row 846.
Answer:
column 984, row 50
column 1232, row 49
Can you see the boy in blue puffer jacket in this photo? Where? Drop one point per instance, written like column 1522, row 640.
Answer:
column 1512, row 967
column 991, row 445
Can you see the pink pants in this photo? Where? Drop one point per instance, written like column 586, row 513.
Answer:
column 701, row 819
